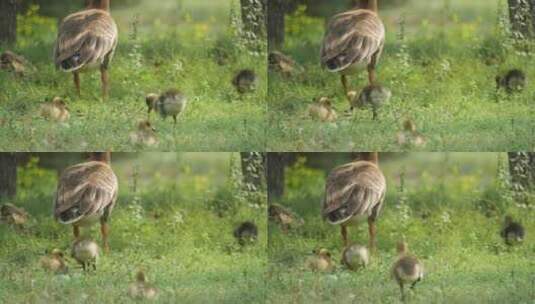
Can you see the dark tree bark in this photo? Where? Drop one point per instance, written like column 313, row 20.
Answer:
column 253, row 14
column 276, row 26
column 8, row 175
column 522, row 171
column 252, row 170
column 522, row 17
column 8, row 21
column 276, row 162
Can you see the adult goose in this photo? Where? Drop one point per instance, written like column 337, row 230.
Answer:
column 354, row 192
column 354, row 40
column 87, row 39
column 87, row 193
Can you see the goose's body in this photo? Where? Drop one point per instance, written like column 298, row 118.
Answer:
column 355, row 192
column 86, row 194
column 322, row 110
column 407, row 269
column 85, row 251
column 170, row 103
column 373, row 96
column 353, row 41
column 56, row 110
column 86, row 40
column 145, row 135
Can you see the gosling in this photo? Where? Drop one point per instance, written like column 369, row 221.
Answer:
column 141, row 289
column 407, row 269
column 374, row 96
column 513, row 81
column 322, row 110
column 54, row 262
column 246, row 233
column 245, row 81
column 12, row 215
column 284, row 217
column 56, row 110
column 409, row 136
column 145, row 135
column 85, row 252
column 513, row 232
column 356, row 257
column 320, row 261
column 171, row 103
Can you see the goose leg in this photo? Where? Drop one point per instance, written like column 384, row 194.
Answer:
column 402, row 292
column 76, row 78
column 76, row 231
column 346, row 86
column 372, row 231
column 174, row 118
column 343, row 231
column 104, row 80
column 104, row 230
column 371, row 74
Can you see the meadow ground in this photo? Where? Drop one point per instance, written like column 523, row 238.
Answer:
column 450, row 211
column 174, row 44
column 167, row 226
column 440, row 62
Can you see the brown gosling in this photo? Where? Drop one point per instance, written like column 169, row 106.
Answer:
column 171, row 103
column 54, row 262
column 409, row 136
column 354, row 40
column 12, row 215
column 320, row 261
column 86, row 40
column 356, row 257
column 245, row 81
column 145, row 135
column 512, row 232
column 283, row 64
column 85, row 251
column 407, row 269
column 246, row 233
column 284, row 217
column 374, row 96
column 355, row 192
column 512, row 81
column 56, row 110
column 141, row 288
column 322, row 110
column 86, row 194
column 12, row 62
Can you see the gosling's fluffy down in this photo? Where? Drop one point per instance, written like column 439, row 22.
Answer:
column 407, row 269
column 246, row 233
column 245, row 81
column 85, row 252
column 373, row 96
column 145, row 135
column 12, row 215
column 141, row 289
column 284, row 217
column 513, row 232
column 409, row 136
column 283, row 64
column 356, row 257
column 322, row 110
column 17, row 64
column 170, row 103
column 512, row 81
column 54, row 262
column 320, row 261
column 56, row 110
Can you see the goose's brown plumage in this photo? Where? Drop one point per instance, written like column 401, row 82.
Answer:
column 354, row 191
column 354, row 40
column 86, row 193
column 87, row 39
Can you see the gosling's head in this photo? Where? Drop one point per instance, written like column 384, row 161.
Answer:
column 402, row 247
column 145, row 126
column 508, row 219
column 409, row 125
column 325, row 101
column 140, row 277
column 351, row 95
column 57, row 253
column 322, row 253
column 58, row 102
column 151, row 100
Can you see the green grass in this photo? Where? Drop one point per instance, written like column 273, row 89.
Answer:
column 165, row 227
column 442, row 76
column 173, row 48
column 442, row 219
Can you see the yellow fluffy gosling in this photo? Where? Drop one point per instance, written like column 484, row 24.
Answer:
column 85, row 252
column 320, row 261
column 56, row 110
column 145, row 135
column 407, row 269
column 54, row 262
column 356, row 257
column 322, row 110
column 141, row 289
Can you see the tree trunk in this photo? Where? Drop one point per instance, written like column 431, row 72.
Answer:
column 254, row 17
column 522, row 170
column 252, row 168
column 276, row 163
column 276, row 26
column 522, row 17
column 8, row 21
column 8, row 175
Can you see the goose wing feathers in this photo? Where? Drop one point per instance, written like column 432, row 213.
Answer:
column 85, row 37
column 85, row 190
column 353, row 189
column 352, row 37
